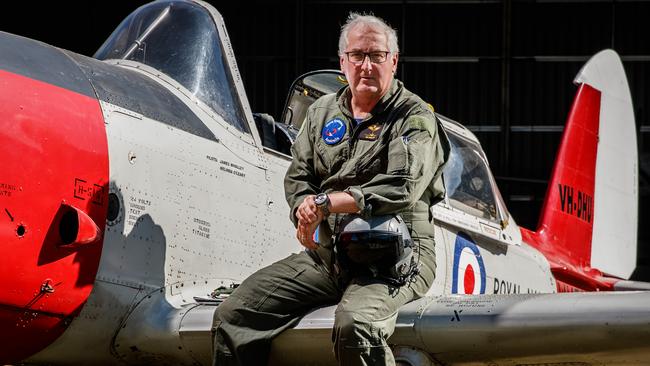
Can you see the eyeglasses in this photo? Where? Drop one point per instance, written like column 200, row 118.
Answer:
column 376, row 57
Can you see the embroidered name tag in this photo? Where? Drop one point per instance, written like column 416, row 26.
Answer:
column 371, row 133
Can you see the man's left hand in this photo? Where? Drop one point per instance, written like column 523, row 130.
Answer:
column 308, row 212
column 309, row 217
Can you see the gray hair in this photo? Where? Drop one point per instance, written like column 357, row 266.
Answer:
column 356, row 19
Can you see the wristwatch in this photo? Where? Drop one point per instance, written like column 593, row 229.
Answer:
column 322, row 200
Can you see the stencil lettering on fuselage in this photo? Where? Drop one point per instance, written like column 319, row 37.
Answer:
column 6, row 189
column 232, row 168
column 201, row 228
column 84, row 190
column 468, row 270
column 138, row 206
column 506, row 287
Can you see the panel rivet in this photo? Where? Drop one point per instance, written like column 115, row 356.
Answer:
column 46, row 287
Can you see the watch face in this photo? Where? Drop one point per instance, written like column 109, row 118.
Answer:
column 320, row 199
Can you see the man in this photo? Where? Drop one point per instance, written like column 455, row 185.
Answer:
column 374, row 148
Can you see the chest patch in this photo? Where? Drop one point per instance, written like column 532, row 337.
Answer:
column 333, row 131
column 371, row 133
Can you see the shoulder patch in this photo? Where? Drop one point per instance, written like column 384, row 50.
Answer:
column 421, row 123
column 333, row 131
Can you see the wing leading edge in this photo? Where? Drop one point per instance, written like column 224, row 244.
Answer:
column 583, row 328
column 550, row 329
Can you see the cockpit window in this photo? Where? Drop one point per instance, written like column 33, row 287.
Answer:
column 467, row 180
column 181, row 40
column 306, row 89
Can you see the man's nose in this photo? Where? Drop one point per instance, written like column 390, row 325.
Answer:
column 366, row 64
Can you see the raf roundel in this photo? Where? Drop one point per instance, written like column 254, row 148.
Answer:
column 468, row 271
column 333, row 131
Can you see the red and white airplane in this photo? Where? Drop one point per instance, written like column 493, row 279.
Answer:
column 135, row 183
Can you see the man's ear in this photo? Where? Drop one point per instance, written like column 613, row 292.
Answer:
column 394, row 58
column 341, row 60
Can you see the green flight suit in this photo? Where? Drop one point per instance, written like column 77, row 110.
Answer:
column 390, row 163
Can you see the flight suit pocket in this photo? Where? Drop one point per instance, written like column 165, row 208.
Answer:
column 372, row 159
column 369, row 169
column 398, row 156
column 331, row 157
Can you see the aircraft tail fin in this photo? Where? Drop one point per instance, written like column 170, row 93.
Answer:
column 591, row 206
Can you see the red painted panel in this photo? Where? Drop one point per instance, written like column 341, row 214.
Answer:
column 567, row 216
column 565, row 230
column 54, row 158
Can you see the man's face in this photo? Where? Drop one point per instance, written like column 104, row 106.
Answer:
column 368, row 79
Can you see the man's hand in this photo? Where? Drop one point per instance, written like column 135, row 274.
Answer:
column 308, row 212
column 305, row 234
column 309, row 217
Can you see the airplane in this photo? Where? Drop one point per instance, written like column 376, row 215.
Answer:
column 138, row 190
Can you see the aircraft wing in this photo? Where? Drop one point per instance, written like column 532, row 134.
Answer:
column 596, row 328
column 534, row 329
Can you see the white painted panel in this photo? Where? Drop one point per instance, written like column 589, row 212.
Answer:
column 508, row 267
column 614, row 240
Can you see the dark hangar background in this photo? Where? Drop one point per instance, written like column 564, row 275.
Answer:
column 504, row 68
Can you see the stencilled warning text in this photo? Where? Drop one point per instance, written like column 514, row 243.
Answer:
column 201, row 228
column 7, row 189
column 137, row 205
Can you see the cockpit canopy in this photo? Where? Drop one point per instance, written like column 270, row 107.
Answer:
column 181, row 40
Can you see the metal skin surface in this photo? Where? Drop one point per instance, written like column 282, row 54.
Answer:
column 198, row 205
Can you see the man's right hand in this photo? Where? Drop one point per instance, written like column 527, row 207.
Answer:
column 310, row 216
column 305, row 234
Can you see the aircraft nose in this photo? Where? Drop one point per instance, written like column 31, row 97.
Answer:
column 53, row 204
